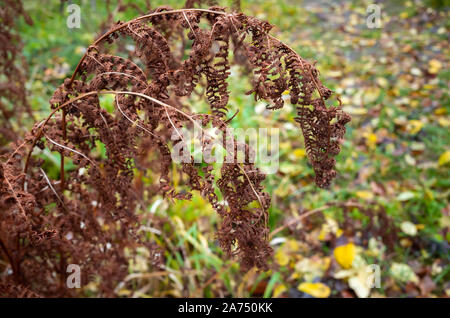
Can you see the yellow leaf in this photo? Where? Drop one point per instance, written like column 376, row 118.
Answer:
column 295, row 275
column 323, row 233
column 405, row 242
column 281, row 257
column 317, row 290
column 366, row 195
column 285, row 145
column 355, row 110
column 359, row 284
column 371, row 94
column 382, row 82
column 410, row 160
column 444, row 122
column 429, row 194
column 409, row 228
column 345, row 254
column 311, row 268
column 124, row 292
column 279, row 290
column 414, row 126
column 335, row 73
column 292, row 245
column 371, row 140
column 330, row 226
column 444, row 158
column 326, row 261
column 434, row 66
column 403, row 273
column 300, row 153
column 429, row 87
column 405, row 196
column 440, row 111
column 420, row 226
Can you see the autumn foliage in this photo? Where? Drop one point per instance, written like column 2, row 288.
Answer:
column 90, row 214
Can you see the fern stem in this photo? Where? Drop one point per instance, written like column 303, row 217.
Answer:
column 104, row 36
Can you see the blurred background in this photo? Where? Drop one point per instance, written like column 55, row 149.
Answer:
column 386, row 213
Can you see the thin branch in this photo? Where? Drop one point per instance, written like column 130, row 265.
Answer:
column 189, row 23
column 176, row 129
column 52, row 188
column 134, row 123
column 70, row 149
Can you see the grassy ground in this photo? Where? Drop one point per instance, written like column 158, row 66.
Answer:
column 389, row 205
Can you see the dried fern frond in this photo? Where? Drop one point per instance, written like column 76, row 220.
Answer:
column 89, row 216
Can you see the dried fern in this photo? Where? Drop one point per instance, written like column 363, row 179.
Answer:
column 93, row 218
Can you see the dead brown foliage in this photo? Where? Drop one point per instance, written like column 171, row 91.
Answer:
column 13, row 95
column 90, row 216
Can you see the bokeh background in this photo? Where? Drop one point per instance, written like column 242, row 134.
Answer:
column 389, row 204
